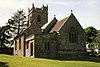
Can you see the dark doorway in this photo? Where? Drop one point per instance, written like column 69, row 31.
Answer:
column 31, row 46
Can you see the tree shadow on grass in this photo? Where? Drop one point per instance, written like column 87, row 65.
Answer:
column 90, row 59
column 3, row 64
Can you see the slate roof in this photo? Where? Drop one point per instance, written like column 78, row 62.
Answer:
column 50, row 25
column 59, row 24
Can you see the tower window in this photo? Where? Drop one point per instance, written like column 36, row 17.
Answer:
column 38, row 18
column 30, row 19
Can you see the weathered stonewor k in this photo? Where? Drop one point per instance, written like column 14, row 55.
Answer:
column 57, row 39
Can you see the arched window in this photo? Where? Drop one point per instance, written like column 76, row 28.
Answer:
column 38, row 18
column 73, row 35
column 19, row 43
column 15, row 45
column 47, row 46
column 27, row 45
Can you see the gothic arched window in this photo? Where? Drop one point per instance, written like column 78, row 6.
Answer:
column 15, row 45
column 38, row 18
column 27, row 44
column 19, row 43
column 73, row 35
column 47, row 46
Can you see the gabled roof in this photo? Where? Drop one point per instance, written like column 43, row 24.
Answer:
column 50, row 25
column 59, row 24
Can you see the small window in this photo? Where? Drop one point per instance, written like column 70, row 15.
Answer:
column 27, row 45
column 19, row 43
column 38, row 18
column 30, row 19
column 46, row 46
column 15, row 45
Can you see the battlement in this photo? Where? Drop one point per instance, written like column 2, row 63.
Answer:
column 39, row 15
column 41, row 9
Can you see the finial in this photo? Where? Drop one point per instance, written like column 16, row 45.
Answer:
column 71, row 11
column 54, row 16
column 43, row 5
column 47, row 5
column 33, row 5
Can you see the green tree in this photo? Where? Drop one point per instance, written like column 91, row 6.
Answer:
column 4, row 37
column 97, row 39
column 17, row 24
column 91, row 34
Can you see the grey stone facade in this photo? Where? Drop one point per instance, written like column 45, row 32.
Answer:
column 59, row 39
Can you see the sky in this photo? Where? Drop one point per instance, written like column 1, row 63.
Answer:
column 87, row 12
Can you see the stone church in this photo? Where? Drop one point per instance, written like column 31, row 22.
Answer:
column 59, row 39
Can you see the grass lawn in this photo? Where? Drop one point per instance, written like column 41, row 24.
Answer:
column 15, row 61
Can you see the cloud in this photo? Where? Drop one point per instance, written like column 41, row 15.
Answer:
column 89, row 9
column 6, row 8
column 92, row 2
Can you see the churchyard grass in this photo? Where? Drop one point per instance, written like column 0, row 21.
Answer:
column 15, row 61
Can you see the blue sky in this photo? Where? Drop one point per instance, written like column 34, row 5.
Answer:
column 86, row 11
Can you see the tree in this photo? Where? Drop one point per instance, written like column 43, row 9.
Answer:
column 3, row 36
column 91, row 34
column 17, row 24
column 97, row 39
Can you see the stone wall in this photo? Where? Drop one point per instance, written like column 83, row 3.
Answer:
column 19, row 49
column 45, row 45
column 68, row 49
column 30, row 41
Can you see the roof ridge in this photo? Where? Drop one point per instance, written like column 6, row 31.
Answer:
column 59, row 24
column 66, row 18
